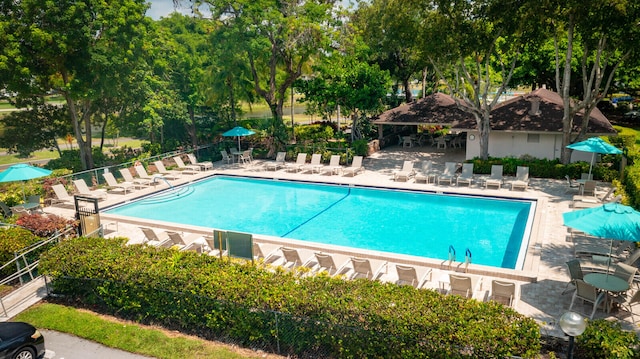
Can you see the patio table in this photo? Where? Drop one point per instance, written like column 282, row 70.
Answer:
column 607, row 282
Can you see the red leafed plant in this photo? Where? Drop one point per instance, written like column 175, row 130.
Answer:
column 44, row 225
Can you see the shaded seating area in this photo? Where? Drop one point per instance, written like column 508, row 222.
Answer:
column 587, row 293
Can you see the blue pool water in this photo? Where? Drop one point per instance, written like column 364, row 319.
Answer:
column 413, row 223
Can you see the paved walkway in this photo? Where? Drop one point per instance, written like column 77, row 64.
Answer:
column 540, row 283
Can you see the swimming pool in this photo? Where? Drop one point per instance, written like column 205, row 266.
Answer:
column 496, row 231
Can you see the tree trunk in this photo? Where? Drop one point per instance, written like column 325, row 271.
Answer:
column 485, row 129
column 408, row 95
column 565, row 86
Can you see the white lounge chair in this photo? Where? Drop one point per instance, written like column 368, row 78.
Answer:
column 326, row 263
column 503, row 292
column 292, row 258
column 315, row 164
column 405, row 173
column 522, row 178
column 62, row 196
column 84, row 190
column 334, row 165
column 206, row 165
column 409, row 276
column 138, row 183
column 449, row 173
column 466, row 177
column 301, row 160
column 426, row 174
column 278, row 163
column 113, row 185
column 225, row 156
column 463, row 285
column 356, row 166
column 151, row 238
column 143, row 177
column 184, row 168
column 162, row 171
column 496, row 177
column 361, row 268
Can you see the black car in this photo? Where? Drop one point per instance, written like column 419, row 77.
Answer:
column 20, row 341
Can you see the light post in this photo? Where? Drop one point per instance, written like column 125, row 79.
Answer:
column 572, row 324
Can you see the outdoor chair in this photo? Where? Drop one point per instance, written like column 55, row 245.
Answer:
column 426, row 173
column 575, row 273
column 315, row 164
column 206, row 165
column 522, row 178
column 151, row 238
column 466, row 177
column 463, row 285
column 448, row 174
column 278, row 163
column 301, row 160
column 625, row 272
column 62, row 196
column 113, row 185
column 226, row 157
column 162, row 171
column 128, row 178
column 589, row 188
column 405, row 173
column 503, row 292
column 6, row 211
column 334, row 165
column 356, row 166
column 81, row 187
column 627, row 303
column 292, row 258
column 496, row 178
column 326, row 263
column 143, row 176
column 408, row 276
column 571, row 184
column 361, row 268
column 587, row 293
column 189, row 169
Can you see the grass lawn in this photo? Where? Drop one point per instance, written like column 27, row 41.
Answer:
column 129, row 336
column 48, row 155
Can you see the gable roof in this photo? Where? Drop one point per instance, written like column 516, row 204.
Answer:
column 435, row 109
column 512, row 115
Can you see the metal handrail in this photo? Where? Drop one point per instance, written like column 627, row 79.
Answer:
column 27, row 267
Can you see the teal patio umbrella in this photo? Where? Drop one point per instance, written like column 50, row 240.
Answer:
column 22, row 172
column 610, row 221
column 238, row 131
column 594, row 145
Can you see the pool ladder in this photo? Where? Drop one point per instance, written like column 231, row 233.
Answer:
column 467, row 257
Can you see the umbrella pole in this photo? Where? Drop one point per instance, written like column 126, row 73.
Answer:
column 609, row 259
column 593, row 156
column 239, row 149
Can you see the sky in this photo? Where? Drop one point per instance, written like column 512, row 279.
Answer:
column 162, row 8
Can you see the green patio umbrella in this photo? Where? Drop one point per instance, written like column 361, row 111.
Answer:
column 22, row 172
column 610, row 221
column 238, row 131
column 594, row 145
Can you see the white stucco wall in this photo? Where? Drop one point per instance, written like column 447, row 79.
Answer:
column 515, row 144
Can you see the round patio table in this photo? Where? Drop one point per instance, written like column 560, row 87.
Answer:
column 607, row 282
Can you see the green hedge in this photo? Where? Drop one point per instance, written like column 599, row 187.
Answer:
column 13, row 240
column 246, row 303
column 606, row 171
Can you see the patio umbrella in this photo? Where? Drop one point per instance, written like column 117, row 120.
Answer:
column 594, row 145
column 22, row 172
column 610, row 221
column 238, row 132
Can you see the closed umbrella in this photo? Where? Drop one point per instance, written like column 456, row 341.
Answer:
column 594, row 145
column 22, row 172
column 238, row 131
column 610, row 221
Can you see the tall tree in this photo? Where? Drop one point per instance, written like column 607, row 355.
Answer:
column 83, row 50
column 279, row 38
column 390, row 27
column 607, row 33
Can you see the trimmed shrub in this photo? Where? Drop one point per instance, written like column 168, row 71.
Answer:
column 13, row 240
column 246, row 303
column 606, row 339
column 44, row 225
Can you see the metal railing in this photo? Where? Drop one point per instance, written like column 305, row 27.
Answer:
column 26, row 261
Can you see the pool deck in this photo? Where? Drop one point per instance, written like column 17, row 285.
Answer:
column 541, row 282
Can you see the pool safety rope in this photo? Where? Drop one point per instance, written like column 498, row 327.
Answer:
column 319, row 213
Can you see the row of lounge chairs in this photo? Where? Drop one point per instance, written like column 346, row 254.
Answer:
column 130, row 183
column 418, row 277
column 315, row 166
column 466, row 177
